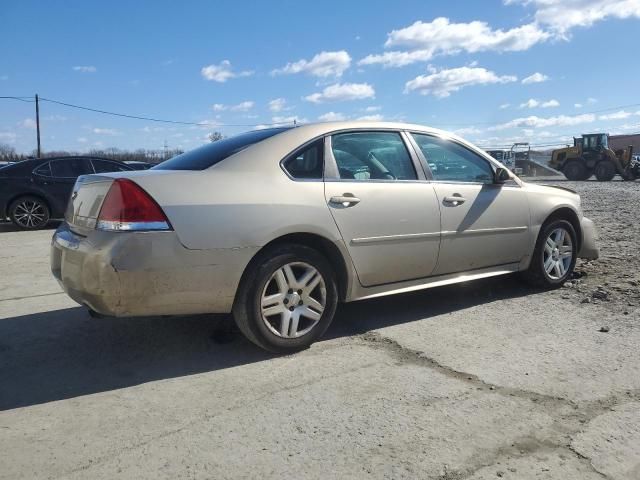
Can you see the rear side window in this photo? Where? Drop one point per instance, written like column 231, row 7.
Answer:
column 372, row 156
column 306, row 164
column 70, row 168
column 104, row 166
column 44, row 170
column 212, row 153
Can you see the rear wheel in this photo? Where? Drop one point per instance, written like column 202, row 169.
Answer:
column 287, row 299
column 576, row 170
column 554, row 256
column 605, row 171
column 29, row 213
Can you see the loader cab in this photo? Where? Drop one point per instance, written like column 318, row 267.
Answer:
column 593, row 142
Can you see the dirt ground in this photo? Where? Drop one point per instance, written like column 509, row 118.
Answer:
column 477, row 381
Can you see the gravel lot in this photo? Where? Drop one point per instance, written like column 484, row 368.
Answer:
column 480, row 381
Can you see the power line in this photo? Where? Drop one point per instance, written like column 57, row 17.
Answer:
column 22, row 99
column 159, row 120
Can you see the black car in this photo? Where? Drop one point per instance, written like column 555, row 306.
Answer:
column 34, row 191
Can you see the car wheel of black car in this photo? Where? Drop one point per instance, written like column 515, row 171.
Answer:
column 29, row 213
column 287, row 299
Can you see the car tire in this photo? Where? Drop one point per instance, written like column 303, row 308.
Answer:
column 29, row 213
column 605, row 171
column 576, row 170
column 554, row 256
column 287, row 298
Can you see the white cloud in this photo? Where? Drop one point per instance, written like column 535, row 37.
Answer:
column 323, row 64
column 505, row 105
column 550, row 104
column 342, row 91
column 8, row 137
column 533, row 103
column 85, row 69
column 577, row 105
column 535, row 78
column 331, row 117
column 371, row 118
column 240, row 107
column 277, row 104
column 82, row 140
column 467, row 131
column 563, row 15
column 424, row 40
column 592, row 100
column 105, row 131
column 616, row 115
column 542, row 122
column 373, row 108
column 442, row 83
column 222, row 72
column 28, row 123
column 397, row 59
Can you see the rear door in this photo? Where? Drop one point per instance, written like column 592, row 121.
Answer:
column 64, row 173
column 386, row 211
column 483, row 224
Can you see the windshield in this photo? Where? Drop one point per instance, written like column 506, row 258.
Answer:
column 212, row 153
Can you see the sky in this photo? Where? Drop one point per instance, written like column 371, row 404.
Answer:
column 492, row 71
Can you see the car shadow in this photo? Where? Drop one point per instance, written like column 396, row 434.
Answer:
column 65, row 353
column 10, row 227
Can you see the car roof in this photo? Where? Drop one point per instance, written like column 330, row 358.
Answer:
column 327, row 127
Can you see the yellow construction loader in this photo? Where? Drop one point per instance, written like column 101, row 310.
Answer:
column 591, row 155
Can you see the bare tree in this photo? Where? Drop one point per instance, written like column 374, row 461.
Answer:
column 215, row 136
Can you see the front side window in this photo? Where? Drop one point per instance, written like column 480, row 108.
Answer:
column 451, row 162
column 306, row 164
column 372, row 156
column 70, row 168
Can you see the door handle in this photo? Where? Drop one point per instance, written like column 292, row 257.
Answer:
column 454, row 200
column 346, row 200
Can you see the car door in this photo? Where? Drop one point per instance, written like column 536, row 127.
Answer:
column 64, row 173
column 386, row 211
column 483, row 223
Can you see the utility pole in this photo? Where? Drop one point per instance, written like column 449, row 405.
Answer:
column 38, row 123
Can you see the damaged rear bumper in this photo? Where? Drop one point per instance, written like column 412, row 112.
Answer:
column 145, row 273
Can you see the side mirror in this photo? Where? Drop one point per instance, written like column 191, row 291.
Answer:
column 501, row 176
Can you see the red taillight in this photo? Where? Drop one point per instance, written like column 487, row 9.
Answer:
column 128, row 207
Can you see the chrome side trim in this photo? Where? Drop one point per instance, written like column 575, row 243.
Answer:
column 394, row 238
column 484, row 231
column 438, row 281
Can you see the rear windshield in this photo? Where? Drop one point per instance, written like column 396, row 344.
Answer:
column 212, row 153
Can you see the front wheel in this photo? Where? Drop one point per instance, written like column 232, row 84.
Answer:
column 554, row 256
column 287, row 299
column 605, row 171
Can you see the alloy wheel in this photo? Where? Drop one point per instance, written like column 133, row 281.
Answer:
column 558, row 254
column 293, row 300
column 30, row 214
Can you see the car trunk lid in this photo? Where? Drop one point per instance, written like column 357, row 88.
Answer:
column 84, row 206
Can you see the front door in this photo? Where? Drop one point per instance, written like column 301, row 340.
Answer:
column 387, row 214
column 483, row 224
